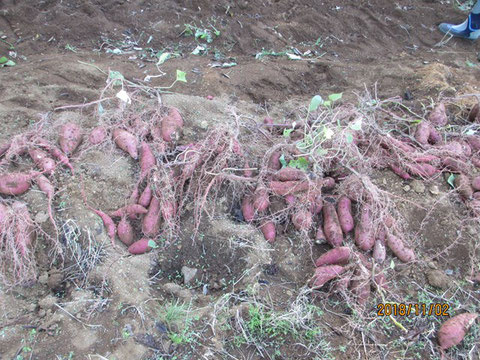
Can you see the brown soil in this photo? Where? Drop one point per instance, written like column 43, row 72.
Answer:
column 63, row 51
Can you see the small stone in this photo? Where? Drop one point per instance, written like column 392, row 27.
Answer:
column 437, row 278
column 418, row 186
column 431, row 265
column 204, row 124
column 41, row 217
column 384, row 181
column 43, row 279
column 406, row 188
column 42, row 313
column 434, row 190
column 188, row 274
column 55, row 279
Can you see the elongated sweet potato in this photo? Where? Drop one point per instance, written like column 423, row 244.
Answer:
column 97, row 135
column 274, row 161
column 455, row 165
column 379, row 251
column 438, row 116
column 323, row 274
column 151, row 221
column 56, row 153
column 146, row 196
column 126, row 141
column 261, row 201
column 125, row 231
column 463, row 186
column 331, row 225
column 423, row 132
column 399, row 171
column 290, row 174
column 43, row 162
column 46, row 186
column 399, row 248
column 147, row 159
column 316, row 202
column 336, row 256
column 171, row 125
column 15, row 183
column 474, row 142
column 422, row 170
column 108, row 223
column 453, row 330
column 69, row 138
column 364, row 237
column 248, row 210
column 129, row 210
column 284, row 188
column 140, row 247
column 268, row 231
column 476, row 183
column 302, row 219
column 344, row 211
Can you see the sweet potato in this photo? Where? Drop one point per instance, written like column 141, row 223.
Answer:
column 344, row 211
column 422, row 170
column 331, row 225
column 475, row 161
column 476, row 183
column 274, row 161
column 171, row 125
column 140, row 247
column 438, row 116
column 4, row 148
column 379, row 252
column 453, row 330
column 268, row 231
column 336, row 256
column 474, row 142
column 315, row 201
column 126, row 141
column 248, row 210
column 125, row 231
column 474, row 115
column 399, row 248
column 360, row 285
column 261, row 201
column 289, row 174
column 380, row 281
column 434, row 136
column 3, row 215
column 364, row 237
column 108, row 223
column 320, row 237
column 476, row 195
column 146, row 196
column 151, row 221
column 24, row 229
column 423, row 132
column 168, row 210
column 129, row 210
column 302, row 219
column 147, row 159
column 399, row 171
column 455, row 165
column 97, row 135
column 46, row 186
column 42, row 161
column 284, row 188
column 56, row 153
column 15, row 183
column 326, row 273
column 290, row 199
column 455, row 149
column 69, row 138
column 464, row 188
column 425, row 158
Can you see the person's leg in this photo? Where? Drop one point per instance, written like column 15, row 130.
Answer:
column 469, row 29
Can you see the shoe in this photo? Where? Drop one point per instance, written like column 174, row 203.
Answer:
column 469, row 29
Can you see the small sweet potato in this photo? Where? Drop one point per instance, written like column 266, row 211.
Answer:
column 268, row 231
column 422, row 132
column 360, row 285
column 422, row 170
column 126, row 141
column 476, row 183
column 261, row 201
column 129, row 210
column 331, row 225
column 171, row 125
column 336, row 256
column 289, row 174
column 248, row 210
column 474, row 115
column 147, row 159
column 455, row 165
column 15, row 183
column 438, row 116
column 364, row 237
column 125, row 231
column 274, row 161
column 380, row 281
column 326, row 273
column 42, row 161
column 46, row 186
column 476, row 195
column 453, row 330
column 69, row 138
column 320, row 237
column 4, row 148
column 474, row 142
column 399, row 248
column 290, row 199
column 379, row 251
column 344, row 211
column 24, row 230
column 108, row 223
column 399, row 171
column 146, row 196
column 284, row 188
column 434, row 137
column 315, row 202
column 302, row 219
column 151, row 221
column 56, row 153
column 476, row 162
column 140, row 247
column 97, row 135
column 464, row 188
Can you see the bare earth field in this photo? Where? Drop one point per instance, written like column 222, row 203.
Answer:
column 213, row 288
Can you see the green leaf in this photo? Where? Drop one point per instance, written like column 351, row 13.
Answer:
column 181, row 76
column 3, row 60
column 315, row 103
column 357, row 125
column 286, row 132
column 327, row 103
column 470, row 64
column 392, row 264
column 282, row 160
column 451, row 180
column 163, row 57
column 349, row 137
column 322, row 152
column 9, row 63
column 152, row 244
column 116, row 76
column 300, row 163
column 335, row 97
